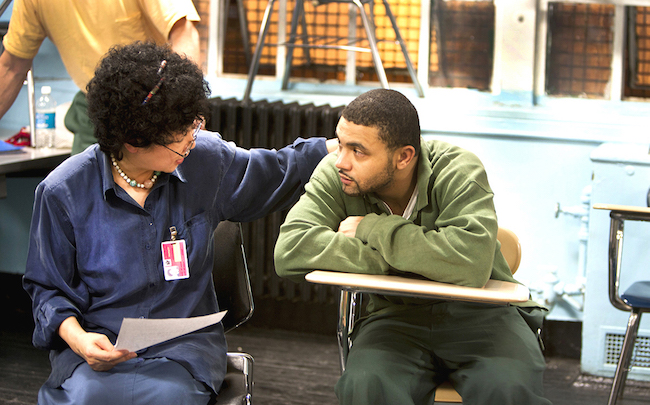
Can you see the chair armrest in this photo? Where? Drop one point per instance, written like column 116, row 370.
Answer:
column 494, row 292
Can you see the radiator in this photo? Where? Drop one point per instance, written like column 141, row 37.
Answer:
column 272, row 125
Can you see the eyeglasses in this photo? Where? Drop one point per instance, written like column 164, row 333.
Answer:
column 186, row 153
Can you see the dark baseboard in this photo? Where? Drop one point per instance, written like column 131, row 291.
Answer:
column 292, row 315
column 562, row 339
column 16, row 314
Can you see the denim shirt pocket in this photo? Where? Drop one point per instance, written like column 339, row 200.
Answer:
column 197, row 234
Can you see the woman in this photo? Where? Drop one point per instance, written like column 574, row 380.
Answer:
column 101, row 218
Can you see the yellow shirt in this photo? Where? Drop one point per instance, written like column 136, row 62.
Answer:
column 84, row 30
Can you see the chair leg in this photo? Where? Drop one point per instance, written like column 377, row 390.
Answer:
column 369, row 26
column 623, row 365
column 255, row 64
column 342, row 329
column 402, row 45
column 299, row 9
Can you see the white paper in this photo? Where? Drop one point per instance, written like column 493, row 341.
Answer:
column 139, row 333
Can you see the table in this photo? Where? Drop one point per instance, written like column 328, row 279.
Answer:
column 29, row 159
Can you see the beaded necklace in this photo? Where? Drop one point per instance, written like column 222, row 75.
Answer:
column 147, row 184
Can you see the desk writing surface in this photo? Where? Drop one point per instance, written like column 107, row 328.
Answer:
column 31, row 158
column 623, row 208
column 496, row 292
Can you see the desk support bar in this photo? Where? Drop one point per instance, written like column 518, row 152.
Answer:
column 615, row 256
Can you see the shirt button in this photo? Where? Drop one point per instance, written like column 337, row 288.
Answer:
column 147, row 246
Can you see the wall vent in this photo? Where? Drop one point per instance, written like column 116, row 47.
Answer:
column 640, row 355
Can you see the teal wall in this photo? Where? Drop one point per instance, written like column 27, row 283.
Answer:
column 16, row 209
column 536, row 157
column 15, row 217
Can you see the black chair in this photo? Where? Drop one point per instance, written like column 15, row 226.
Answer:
column 327, row 42
column 635, row 300
column 232, row 283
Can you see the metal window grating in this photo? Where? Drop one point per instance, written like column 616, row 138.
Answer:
column 326, row 25
column 203, row 8
column 462, row 44
column 328, row 22
column 638, row 52
column 640, row 354
column 580, row 38
column 579, row 53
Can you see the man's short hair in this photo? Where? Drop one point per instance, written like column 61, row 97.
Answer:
column 391, row 113
column 123, row 80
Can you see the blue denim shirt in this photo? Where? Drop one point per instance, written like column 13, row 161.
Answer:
column 95, row 253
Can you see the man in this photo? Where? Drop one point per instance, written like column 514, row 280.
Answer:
column 83, row 31
column 391, row 203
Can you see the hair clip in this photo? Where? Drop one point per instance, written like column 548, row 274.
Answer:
column 157, row 86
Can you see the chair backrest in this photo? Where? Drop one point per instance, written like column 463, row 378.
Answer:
column 510, row 248
column 230, row 275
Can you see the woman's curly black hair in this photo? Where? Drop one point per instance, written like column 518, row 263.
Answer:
column 121, row 83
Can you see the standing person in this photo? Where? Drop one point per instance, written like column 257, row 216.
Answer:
column 83, row 31
column 101, row 217
column 391, row 203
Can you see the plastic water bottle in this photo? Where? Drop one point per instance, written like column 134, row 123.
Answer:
column 45, row 119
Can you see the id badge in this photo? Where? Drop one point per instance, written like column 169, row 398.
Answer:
column 174, row 255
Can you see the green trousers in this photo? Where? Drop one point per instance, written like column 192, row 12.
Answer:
column 489, row 353
column 77, row 122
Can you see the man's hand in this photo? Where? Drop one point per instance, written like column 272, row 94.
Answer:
column 348, row 226
column 332, row 145
column 95, row 348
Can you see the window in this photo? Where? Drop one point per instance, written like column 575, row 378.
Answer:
column 547, row 49
column 329, row 23
column 638, row 52
column 462, row 44
column 579, row 49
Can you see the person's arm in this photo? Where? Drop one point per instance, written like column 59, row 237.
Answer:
column 95, row 348
column 309, row 238
column 253, row 183
column 324, row 230
column 459, row 248
column 184, row 39
column 13, row 71
column 53, row 284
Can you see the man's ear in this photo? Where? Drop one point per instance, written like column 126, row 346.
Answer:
column 404, row 156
